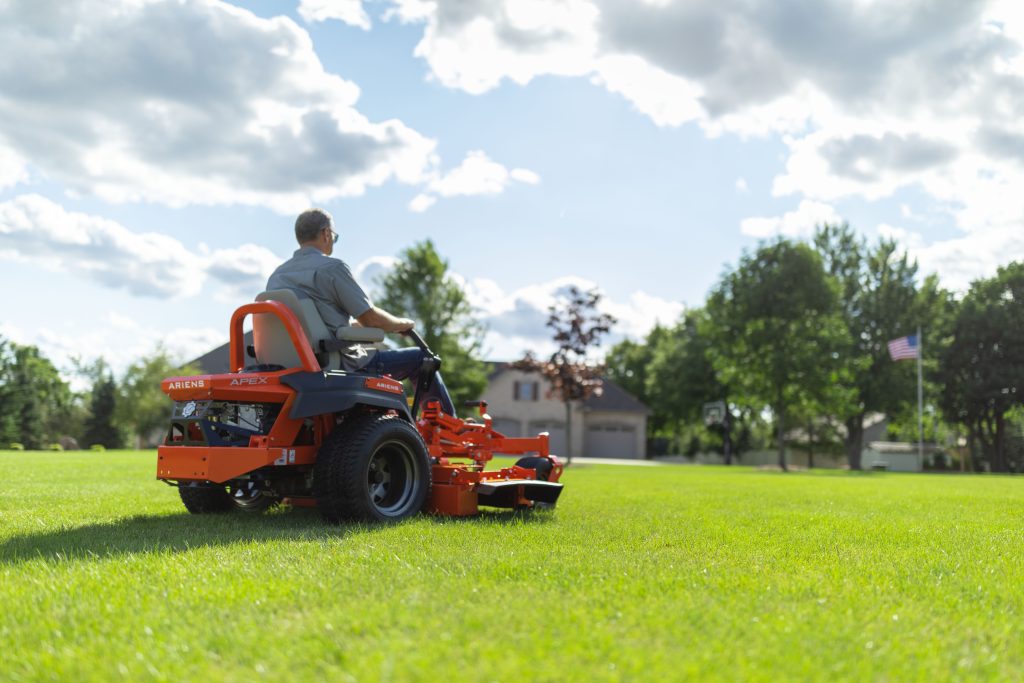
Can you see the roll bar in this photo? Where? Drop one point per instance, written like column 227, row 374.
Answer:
column 291, row 324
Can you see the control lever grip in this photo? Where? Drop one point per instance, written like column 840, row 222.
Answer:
column 418, row 340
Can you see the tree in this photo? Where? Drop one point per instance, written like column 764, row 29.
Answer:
column 672, row 373
column 100, row 426
column 421, row 288
column 629, row 364
column 143, row 408
column 775, row 331
column 10, row 426
column 983, row 367
column 34, row 398
column 578, row 328
column 880, row 301
column 682, row 379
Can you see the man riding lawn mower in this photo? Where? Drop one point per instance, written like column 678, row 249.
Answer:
column 313, row 420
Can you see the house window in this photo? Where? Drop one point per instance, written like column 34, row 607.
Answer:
column 526, row 391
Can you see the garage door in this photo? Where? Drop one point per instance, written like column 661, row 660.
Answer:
column 507, row 426
column 611, row 441
column 556, row 435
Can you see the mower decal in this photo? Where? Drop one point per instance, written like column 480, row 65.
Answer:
column 188, row 384
column 384, row 384
column 189, row 409
column 258, row 379
column 287, row 457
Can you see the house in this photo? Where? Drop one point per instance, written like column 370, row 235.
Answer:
column 612, row 425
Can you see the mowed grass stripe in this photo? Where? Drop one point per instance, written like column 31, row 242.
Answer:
column 641, row 573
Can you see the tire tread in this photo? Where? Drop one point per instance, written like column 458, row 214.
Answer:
column 338, row 479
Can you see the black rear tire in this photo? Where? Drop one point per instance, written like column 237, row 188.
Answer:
column 372, row 469
column 201, row 499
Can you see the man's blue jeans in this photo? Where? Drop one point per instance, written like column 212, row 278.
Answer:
column 402, row 364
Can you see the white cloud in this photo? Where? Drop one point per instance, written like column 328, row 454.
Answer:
column 147, row 264
column 798, row 223
column 525, row 175
column 741, row 185
column 962, row 260
column 668, row 100
column 187, row 103
column 63, row 342
column 870, row 97
column 516, row 319
column 349, row 11
column 422, row 202
column 477, row 175
column 475, row 45
column 12, row 169
column 370, row 271
column 906, row 238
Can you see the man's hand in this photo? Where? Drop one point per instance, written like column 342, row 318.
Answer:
column 376, row 317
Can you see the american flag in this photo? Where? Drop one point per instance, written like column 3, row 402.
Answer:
column 904, row 348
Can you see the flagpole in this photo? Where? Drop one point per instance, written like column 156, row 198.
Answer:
column 920, row 403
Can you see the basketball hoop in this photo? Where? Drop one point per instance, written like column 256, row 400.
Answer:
column 714, row 413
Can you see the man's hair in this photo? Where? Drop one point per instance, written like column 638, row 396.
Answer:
column 310, row 223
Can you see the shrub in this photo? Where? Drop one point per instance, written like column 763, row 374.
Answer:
column 54, row 447
column 97, row 447
column 16, row 446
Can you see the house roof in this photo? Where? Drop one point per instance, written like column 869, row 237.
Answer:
column 613, row 398
column 218, row 361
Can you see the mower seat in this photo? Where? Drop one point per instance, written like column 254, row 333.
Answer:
column 274, row 347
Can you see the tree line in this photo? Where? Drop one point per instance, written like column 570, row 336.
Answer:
column 793, row 339
column 39, row 409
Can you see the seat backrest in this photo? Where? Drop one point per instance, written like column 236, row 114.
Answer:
column 271, row 340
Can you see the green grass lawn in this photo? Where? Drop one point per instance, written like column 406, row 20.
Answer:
column 641, row 573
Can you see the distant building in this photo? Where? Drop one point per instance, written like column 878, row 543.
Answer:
column 612, row 425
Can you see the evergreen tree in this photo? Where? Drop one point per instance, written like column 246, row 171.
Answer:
column 100, row 427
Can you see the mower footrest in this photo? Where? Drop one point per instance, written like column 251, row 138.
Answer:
column 507, row 494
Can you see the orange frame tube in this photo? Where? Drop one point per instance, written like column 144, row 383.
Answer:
column 291, row 323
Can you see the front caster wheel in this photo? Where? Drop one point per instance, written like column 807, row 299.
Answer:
column 201, row 499
column 247, row 496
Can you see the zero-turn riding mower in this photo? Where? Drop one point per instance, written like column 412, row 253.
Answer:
column 293, row 426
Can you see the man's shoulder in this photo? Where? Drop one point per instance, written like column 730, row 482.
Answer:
column 334, row 264
column 313, row 259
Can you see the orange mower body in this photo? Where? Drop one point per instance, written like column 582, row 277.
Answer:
column 288, row 427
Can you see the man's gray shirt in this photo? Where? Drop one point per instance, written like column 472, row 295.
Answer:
column 329, row 283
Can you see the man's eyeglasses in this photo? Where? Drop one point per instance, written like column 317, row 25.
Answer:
column 334, row 235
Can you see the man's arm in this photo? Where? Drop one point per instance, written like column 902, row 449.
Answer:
column 376, row 317
column 351, row 297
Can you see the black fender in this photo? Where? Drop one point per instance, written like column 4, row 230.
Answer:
column 322, row 393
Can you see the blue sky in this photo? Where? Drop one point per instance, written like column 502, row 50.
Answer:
column 153, row 154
